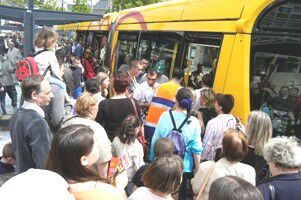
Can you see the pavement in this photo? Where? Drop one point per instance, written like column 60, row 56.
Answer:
column 4, row 120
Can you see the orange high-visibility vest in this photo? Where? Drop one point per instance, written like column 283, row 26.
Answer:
column 163, row 100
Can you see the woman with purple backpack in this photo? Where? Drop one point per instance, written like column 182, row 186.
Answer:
column 185, row 132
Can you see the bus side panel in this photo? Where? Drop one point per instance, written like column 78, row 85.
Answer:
column 237, row 77
column 113, row 49
column 223, row 63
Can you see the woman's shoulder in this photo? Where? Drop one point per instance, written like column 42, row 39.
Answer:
column 108, row 191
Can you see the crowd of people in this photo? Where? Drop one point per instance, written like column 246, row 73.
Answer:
column 90, row 134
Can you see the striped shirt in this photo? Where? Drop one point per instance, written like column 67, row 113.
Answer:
column 214, row 134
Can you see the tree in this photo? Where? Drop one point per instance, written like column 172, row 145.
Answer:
column 81, row 6
column 40, row 4
column 124, row 4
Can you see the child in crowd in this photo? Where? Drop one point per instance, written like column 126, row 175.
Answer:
column 163, row 146
column 8, row 160
column 127, row 147
column 161, row 179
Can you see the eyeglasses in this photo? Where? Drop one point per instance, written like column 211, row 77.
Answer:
column 151, row 79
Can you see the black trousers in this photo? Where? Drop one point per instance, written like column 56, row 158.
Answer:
column 185, row 191
column 12, row 93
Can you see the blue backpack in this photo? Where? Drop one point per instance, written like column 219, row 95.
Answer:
column 177, row 137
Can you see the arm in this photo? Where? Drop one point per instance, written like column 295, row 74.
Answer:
column 196, row 145
column 138, row 158
column 39, row 142
column 57, row 112
column 200, row 176
column 207, row 142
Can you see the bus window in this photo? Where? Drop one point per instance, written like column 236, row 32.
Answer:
column 275, row 82
column 202, row 50
column 154, row 46
column 159, row 48
column 126, row 49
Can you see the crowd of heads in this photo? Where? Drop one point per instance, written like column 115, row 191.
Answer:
column 74, row 154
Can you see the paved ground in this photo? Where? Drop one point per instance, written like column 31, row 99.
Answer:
column 4, row 120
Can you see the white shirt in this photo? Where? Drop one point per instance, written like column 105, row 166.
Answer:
column 45, row 59
column 144, row 93
column 146, row 194
column 222, row 168
column 32, row 106
column 133, row 151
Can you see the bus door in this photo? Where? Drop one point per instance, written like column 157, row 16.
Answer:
column 275, row 73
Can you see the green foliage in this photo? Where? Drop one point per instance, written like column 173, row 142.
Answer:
column 81, row 6
column 40, row 4
column 50, row 5
column 124, row 4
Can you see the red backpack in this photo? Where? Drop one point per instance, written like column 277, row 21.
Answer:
column 28, row 66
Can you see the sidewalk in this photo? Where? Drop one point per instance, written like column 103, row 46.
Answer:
column 4, row 120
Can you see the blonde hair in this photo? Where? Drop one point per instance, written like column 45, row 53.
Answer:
column 209, row 96
column 101, row 76
column 46, row 37
column 83, row 104
column 259, row 130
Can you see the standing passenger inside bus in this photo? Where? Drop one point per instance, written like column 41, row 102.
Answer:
column 196, row 77
column 88, row 63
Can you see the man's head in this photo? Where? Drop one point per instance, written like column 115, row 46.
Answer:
column 200, row 67
column 11, row 45
column 37, row 90
column 151, row 77
column 8, row 154
column 135, row 68
column 144, row 63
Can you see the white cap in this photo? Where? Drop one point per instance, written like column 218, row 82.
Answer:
column 36, row 184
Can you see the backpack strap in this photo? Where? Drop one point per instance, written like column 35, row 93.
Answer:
column 173, row 120
column 41, row 51
column 272, row 191
column 174, row 123
column 183, row 123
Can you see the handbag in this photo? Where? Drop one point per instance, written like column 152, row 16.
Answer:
column 141, row 137
column 205, row 181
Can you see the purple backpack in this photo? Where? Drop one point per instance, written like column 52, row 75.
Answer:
column 177, row 137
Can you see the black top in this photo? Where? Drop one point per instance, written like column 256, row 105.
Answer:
column 112, row 112
column 207, row 115
column 6, row 168
column 258, row 162
column 287, row 187
column 136, row 180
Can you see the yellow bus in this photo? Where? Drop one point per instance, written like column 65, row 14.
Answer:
column 253, row 49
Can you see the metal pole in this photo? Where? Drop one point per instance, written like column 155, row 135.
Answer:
column 28, row 22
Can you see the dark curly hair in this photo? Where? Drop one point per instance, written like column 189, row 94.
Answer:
column 127, row 133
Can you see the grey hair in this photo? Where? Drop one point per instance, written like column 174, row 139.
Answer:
column 284, row 152
column 259, row 130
